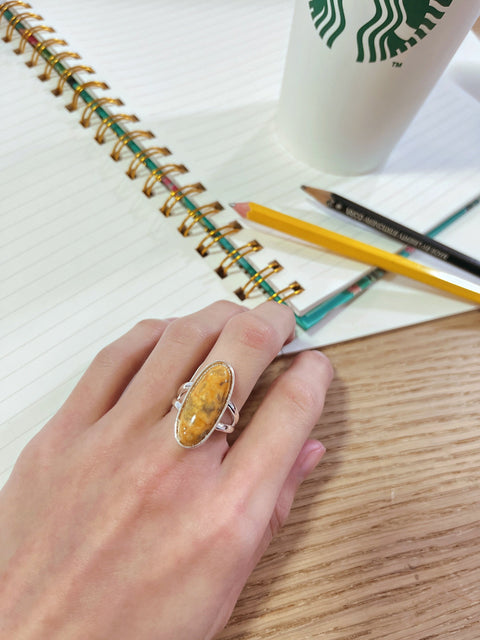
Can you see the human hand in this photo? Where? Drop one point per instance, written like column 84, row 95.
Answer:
column 110, row 529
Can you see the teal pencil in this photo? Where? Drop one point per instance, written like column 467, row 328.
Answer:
column 355, row 290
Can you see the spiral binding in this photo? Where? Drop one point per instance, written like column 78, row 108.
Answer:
column 94, row 105
column 54, row 60
column 197, row 215
column 125, row 138
column 234, row 256
column 6, row 6
column 177, row 196
column 66, row 74
column 272, row 267
column 13, row 23
column 159, row 174
column 73, row 106
column 18, row 17
column 109, row 122
column 27, row 34
column 141, row 157
column 40, row 47
column 216, row 234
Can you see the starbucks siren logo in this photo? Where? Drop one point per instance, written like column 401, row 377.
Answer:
column 395, row 26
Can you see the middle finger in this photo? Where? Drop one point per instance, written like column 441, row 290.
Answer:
column 249, row 342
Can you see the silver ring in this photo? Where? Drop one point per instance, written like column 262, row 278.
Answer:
column 204, row 405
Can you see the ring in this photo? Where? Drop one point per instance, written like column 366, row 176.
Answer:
column 204, row 405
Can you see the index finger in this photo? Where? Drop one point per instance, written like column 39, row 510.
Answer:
column 261, row 458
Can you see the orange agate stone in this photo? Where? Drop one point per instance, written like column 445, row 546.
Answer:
column 204, row 404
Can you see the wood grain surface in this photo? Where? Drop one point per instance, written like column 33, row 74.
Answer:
column 383, row 541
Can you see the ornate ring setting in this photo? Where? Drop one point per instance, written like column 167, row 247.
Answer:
column 204, row 405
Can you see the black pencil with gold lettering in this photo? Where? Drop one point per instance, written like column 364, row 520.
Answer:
column 396, row 230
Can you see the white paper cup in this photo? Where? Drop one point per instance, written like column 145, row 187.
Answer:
column 357, row 71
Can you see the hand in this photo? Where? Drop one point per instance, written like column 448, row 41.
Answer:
column 110, row 529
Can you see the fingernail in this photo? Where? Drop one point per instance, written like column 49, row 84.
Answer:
column 311, row 459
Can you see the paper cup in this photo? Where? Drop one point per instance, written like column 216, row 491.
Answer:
column 357, row 71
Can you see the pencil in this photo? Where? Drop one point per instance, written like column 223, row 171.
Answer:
column 359, row 287
column 355, row 250
column 395, row 230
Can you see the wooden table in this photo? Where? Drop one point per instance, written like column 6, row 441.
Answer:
column 383, row 541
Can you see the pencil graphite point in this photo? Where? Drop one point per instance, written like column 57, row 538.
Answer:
column 396, row 230
column 318, row 194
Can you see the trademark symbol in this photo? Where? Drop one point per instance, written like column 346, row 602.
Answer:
column 397, row 64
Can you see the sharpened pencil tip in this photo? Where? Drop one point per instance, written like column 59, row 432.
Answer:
column 317, row 194
column 242, row 208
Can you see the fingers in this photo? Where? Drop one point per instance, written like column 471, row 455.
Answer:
column 109, row 374
column 308, row 458
column 264, row 454
column 250, row 342
column 182, row 347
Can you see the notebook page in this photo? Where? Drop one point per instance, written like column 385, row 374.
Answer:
column 84, row 255
column 207, row 76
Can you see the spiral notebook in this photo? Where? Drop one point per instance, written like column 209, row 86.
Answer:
column 115, row 200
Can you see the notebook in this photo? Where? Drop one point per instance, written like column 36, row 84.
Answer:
column 87, row 250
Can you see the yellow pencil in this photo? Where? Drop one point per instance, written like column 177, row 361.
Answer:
column 350, row 248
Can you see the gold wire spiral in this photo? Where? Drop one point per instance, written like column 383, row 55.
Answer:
column 53, row 61
column 28, row 33
column 65, row 75
column 255, row 281
column 198, row 214
column 158, row 174
column 178, row 195
column 109, row 121
column 194, row 216
column 217, row 234
column 93, row 106
column 125, row 139
column 82, row 87
column 40, row 47
column 235, row 255
column 5, row 6
column 293, row 289
column 14, row 20
column 141, row 156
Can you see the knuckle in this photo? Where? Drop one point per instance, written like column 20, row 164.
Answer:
column 281, row 309
column 226, row 307
column 151, row 327
column 235, row 528
column 146, row 478
column 107, row 357
column 299, row 394
column 37, row 453
column 317, row 364
column 185, row 330
column 253, row 332
column 122, row 349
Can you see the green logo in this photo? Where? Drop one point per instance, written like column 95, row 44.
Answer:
column 393, row 26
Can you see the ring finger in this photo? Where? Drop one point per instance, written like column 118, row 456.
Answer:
column 248, row 343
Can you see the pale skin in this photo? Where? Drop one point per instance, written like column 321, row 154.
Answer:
column 109, row 529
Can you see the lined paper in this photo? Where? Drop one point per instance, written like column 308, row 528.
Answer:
column 83, row 253
column 209, row 87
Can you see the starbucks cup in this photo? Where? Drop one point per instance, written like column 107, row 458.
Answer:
column 357, row 71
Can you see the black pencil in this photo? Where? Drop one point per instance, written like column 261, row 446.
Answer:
column 395, row 230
